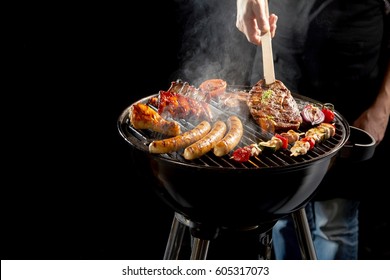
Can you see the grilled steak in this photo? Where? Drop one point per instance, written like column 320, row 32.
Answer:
column 273, row 107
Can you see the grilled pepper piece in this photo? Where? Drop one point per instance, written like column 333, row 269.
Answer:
column 283, row 139
column 271, row 145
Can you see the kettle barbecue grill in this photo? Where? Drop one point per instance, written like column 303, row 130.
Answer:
column 213, row 193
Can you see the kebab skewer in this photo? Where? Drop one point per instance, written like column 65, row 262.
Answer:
column 281, row 141
column 277, row 142
column 314, row 135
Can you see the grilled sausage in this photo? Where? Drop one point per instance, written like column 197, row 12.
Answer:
column 232, row 137
column 207, row 143
column 181, row 141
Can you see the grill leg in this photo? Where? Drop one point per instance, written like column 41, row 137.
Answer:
column 304, row 236
column 201, row 236
column 200, row 248
column 175, row 239
column 265, row 245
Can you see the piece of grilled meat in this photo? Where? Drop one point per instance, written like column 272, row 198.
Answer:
column 273, row 107
column 143, row 117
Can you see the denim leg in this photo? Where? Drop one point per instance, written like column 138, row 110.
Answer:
column 336, row 231
column 284, row 236
column 334, row 227
column 284, row 240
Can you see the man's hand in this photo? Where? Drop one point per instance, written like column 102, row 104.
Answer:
column 252, row 19
column 376, row 118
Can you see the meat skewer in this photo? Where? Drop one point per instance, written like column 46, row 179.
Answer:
column 300, row 145
column 277, row 142
column 314, row 135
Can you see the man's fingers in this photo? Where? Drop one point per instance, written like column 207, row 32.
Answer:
column 261, row 17
column 273, row 19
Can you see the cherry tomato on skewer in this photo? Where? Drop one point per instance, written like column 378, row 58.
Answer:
column 311, row 141
column 242, row 154
column 328, row 110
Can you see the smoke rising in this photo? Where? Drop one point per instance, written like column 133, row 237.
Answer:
column 212, row 46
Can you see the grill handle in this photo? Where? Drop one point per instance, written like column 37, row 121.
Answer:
column 360, row 145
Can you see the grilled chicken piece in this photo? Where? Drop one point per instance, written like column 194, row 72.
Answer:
column 143, row 117
column 178, row 106
column 273, row 107
column 291, row 136
column 300, row 148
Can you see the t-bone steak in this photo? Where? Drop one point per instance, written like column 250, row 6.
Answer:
column 273, row 107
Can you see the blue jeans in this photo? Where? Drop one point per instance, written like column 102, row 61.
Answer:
column 334, row 227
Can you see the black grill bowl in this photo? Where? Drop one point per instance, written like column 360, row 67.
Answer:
column 236, row 197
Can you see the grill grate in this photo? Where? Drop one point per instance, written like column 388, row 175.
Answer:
column 140, row 139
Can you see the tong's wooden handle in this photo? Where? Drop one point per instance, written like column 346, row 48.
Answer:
column 268, row 61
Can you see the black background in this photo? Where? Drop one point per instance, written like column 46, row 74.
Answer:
column 70, row 189
column 72, row 192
